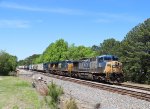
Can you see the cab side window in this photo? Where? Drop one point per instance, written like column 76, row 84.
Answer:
column 107, row 58
column 100, row 59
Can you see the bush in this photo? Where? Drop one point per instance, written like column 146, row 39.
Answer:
column 8, row 63
column 71, row 104
column 53, row 97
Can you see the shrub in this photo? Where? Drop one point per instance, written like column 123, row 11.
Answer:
column 8, row 63
column 53, row 97
column 71, row 104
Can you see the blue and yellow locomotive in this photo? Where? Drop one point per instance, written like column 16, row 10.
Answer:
column 101, row 68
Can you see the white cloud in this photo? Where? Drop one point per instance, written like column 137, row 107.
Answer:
column 14, row 24
column 36, row 9
column 120, row 17
column 112, row 17
column 102, row 17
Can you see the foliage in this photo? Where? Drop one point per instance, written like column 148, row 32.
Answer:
column 55, row 51
column 71, row 104
column 29, row 60
column 38, row 59
column 54, row 92
column 75, row 53
column 109, row 46
column 60, row 51
column 7, row 63
column 135, row 53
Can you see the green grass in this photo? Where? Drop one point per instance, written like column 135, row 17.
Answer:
column 16, row 93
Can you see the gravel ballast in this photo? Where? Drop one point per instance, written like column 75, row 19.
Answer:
column 87, row 97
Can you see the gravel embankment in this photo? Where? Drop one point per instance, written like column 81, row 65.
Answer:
column 88, row 97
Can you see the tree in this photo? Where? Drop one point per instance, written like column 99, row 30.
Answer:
column 78, row 52
column 109, row 46
column 135, row 53
column 29, row 60
column 7, row 63
column 96, row 49
column 55, row 51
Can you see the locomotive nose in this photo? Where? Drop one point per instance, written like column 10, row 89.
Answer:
column 116, row 67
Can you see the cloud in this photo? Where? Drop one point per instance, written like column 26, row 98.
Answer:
column 120, row 17
column 112, row 17
column 36, row 9
column 14, row 24
column 101, row 17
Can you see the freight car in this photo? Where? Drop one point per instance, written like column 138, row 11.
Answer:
column 101, row 68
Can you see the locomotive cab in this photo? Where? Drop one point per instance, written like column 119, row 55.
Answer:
column 114, row 71
column 110, row 68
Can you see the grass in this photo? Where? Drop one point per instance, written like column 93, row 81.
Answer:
column 16, row 93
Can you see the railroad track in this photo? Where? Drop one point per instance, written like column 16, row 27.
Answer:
column 110, row 88
column 135, row 87
column 136, row 94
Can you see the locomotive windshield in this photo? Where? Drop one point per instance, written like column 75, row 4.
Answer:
column 108, row 58
column 114, row 58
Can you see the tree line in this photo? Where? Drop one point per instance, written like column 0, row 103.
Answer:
column 133, row 51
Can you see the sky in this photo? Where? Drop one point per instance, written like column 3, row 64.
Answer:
column 27, row 27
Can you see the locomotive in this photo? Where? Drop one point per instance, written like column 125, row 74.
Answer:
column 101, row 68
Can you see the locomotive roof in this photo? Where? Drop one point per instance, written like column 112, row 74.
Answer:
column 106, row 56
column 82, row 59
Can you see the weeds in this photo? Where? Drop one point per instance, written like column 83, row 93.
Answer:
column 71, row 104
column 53, row 97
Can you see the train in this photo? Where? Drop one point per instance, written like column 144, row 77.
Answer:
column 104, row 68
